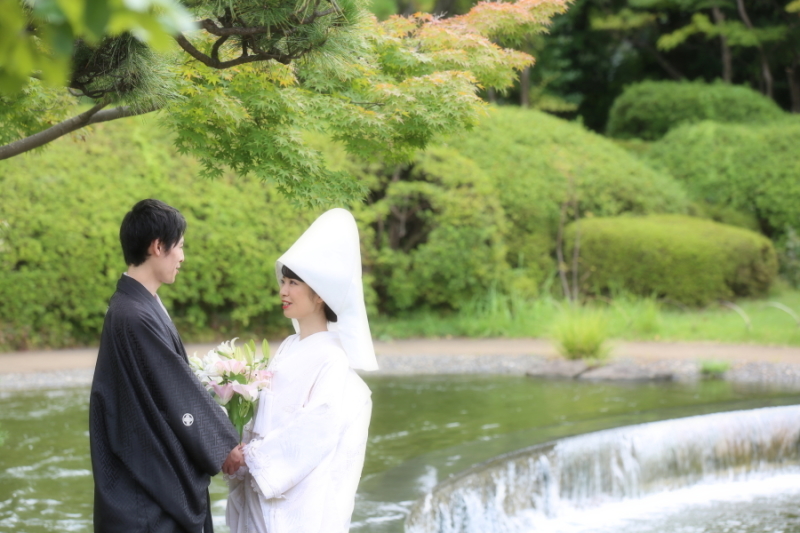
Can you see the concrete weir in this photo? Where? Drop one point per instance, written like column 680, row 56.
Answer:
column 516, row 491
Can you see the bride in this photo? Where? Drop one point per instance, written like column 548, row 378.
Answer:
column 305, row 450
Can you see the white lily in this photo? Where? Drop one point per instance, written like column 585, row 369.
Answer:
column 227, row 348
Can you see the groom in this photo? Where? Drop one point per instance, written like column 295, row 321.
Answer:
column 156, row 434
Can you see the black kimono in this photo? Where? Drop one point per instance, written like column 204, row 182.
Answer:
column 156, row 434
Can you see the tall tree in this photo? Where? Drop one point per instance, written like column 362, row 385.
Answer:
column 241, row 91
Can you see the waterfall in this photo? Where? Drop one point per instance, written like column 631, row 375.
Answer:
column 507, row 493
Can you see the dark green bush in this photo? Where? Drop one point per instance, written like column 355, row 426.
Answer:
column 438, row 233
column 752, row 169
column 789, row 257
column 648, row 110
column 532, row 158
column 685, row 259
column 60, row 256
column 435, row 229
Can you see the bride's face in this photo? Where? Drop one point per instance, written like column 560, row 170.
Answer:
column 298, row 300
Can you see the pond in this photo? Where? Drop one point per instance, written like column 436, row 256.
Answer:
column 424, row 429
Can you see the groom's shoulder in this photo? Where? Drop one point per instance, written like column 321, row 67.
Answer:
column 124, row 309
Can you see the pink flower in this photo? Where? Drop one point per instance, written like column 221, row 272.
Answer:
column 224, row 392
column 262, row 375
column 249, row 391
column 231, row 366
column 262, row 379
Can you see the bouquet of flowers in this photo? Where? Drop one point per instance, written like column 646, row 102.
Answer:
column 234, row 376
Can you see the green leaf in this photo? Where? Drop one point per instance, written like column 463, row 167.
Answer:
column 96, row 17
column 265, row 350
column 73, row 11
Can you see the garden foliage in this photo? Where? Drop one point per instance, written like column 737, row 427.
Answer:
column 680, row 258
column 434, row 229
column 648, row 110
column 60, row 256
column 752, row 169
column 437, row 233
column 240, row 92
column 434, row 238
column 537, row 162
column 474, row 215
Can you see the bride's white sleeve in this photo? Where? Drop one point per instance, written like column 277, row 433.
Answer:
column 288, row 454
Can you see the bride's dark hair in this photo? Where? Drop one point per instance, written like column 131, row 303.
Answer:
column 287, row 272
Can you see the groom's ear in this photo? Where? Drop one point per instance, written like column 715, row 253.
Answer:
column 156, row 248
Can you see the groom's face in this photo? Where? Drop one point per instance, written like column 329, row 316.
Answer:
column 167, row 262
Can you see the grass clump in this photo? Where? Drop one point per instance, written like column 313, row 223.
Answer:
column 627, row 317
column 714, row 369
column 581, row 333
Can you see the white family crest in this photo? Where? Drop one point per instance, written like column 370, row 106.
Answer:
column 188, row 419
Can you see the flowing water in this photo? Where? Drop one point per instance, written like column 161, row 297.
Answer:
column 424, row 430
column 636, row 475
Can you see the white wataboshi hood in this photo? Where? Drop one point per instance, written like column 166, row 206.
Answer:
column 328, row 258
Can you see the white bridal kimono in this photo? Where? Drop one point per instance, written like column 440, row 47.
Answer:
column 305, row 450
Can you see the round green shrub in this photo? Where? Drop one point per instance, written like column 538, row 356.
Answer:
column 649, row 109
column 685, row 259
column 752, row 169
column 536, row 161
column 60, row 256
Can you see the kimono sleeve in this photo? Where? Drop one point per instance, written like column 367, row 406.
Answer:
column 287, row 455
column 193, row 417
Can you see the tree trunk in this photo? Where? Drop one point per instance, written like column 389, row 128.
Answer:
column 727, row 61
column 660, row 59
column 443, row 8
column 491, row 95
column 766, row 72
column 525, row 87
column 793, row 73
column 405, row 8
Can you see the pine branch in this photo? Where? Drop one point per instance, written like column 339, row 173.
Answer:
column 92, row 116
column 241, row 60
column 227, row 29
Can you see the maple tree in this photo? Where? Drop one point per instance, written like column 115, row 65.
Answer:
column 243, row 90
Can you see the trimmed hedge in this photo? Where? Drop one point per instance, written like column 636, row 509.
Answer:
column 685, row 259
column 752, row 169
column 648, row 110
column 531, row 157
column 60, row 256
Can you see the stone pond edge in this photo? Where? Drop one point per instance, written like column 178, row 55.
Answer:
column 617, row 370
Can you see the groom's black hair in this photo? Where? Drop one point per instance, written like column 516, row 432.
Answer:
column 287, row 272
column 147, row 221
